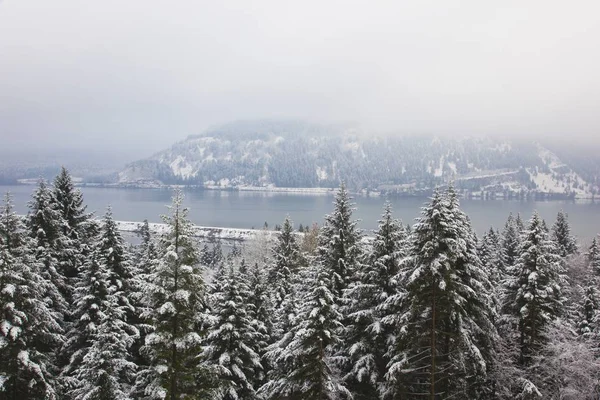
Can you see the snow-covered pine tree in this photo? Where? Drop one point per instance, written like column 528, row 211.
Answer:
column 69, row 200
column 30, row 330
column 587, row 315
column 593, row 256
column 147, row 259
column 287, row 259
column 44, row 223
column 365, row 336
column 145, row 235
column 533, row 288
column 112, row 251
column 510, row 242
column 217, row 254
column 260, row 312
column 235, row 252
column 215, row 289
column 520, row 224
column 491, row 255
column 77, row 226
column 443, row 346
column 206, row 255
column 284, row 316
column 561, row 234
column 303, row 358
column 175, row 296
column 100, row 367
column 339, row 248
column 232, row 341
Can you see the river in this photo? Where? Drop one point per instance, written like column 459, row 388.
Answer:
column 253, row 209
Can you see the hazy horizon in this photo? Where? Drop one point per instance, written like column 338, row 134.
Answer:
column 135, row 77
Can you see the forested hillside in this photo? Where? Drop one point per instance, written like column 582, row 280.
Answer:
column 298, row 154
column 422, row 311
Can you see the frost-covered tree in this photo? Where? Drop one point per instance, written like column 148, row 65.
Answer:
column 206, row 255
column 287, row 259
column 78, row 230
column 443, row 345
column 123, row 275
column 30, row 330
column 561, row 234
column 520, row 224
column 146, row 258
column 100, row 367
column 175, row 296
column 69, row 201
column 45, row 226
column 593, row 256
column 303, row 358
column 587, row 315
column 98, row 314
column 568, row 366
column 260, row 311
column 232, row 341
column 217, row 254
column 510, row 242
column 533, row 289
column 339, row 248
column 365, row 336
column 491, row 255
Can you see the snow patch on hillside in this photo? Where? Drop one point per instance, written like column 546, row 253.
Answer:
column 549, row 158
column 452, row 167
column 180, row 167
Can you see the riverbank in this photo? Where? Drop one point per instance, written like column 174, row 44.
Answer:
column 202, row 232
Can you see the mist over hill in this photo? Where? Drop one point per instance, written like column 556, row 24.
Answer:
column 298, row 154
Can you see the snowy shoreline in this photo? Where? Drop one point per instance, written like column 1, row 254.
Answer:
column 202, row 232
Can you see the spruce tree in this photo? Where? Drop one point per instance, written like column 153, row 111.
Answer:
column 100, row 368
column 365, row 335
column 30, row 330
column 146, row 264
column 339, row 248
column 510, row 242
column 286, row 262
column 52, row 247
column 587, row 315
column 260, row 312
column 206, row 255
column 69, row 200
column 561, row 234
column 232, row 341
column 491, row 255
column 176, row 306
column 520, row 224
column 593, row 256
column 304, row 357
column 217, row 254
column 124, row 276
column 45, row 226
column 77, row 227
column 443, row 345
column 533, row 292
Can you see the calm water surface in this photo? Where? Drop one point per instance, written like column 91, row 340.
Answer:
column 252, row 209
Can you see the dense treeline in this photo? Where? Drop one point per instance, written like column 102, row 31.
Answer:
column 412, row 312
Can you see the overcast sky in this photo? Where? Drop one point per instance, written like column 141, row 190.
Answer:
column 144, row 74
